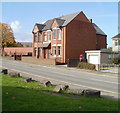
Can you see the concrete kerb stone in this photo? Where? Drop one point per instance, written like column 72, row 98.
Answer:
column 46, row 83
column 26, row 79
column 4, row 71
column 61, row 87
column 76, row 91
column 13, row 74
column 103, row 94
column 91, row 93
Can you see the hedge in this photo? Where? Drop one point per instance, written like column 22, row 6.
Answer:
column 84, row 65
column 116, row 60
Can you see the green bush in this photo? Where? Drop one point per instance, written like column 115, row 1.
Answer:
column 116, row 60
column 84, row 65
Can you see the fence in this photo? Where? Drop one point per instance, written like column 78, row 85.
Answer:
column 73, row 62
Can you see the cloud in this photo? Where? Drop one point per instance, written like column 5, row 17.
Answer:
column 15, row 25
column 20, row 36
column 23, row 37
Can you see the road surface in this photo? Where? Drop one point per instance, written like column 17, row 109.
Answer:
column 107, row 83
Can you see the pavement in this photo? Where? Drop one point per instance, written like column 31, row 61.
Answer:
column 116, row 71
column 107, row 83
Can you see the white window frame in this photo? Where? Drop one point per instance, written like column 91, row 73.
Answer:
column 49, row 38
column 39, row 37
column 118, row 42
column 54, row 34
column 59, row 34
column 54, row 55
column 60, row 51
column 56, row 45
column 45, row 36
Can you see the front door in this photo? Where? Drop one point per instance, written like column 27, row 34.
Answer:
column 39, row 51
column 44, row 53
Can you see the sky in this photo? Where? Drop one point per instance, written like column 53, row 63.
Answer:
column 22, row 16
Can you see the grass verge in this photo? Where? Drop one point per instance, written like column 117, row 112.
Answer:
column 21, row 96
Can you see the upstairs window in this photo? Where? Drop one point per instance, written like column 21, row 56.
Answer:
column 45, row 37
column 39, row 37
column 117, row 42
column 35, row 37
column 54, row 34
column 49, row 35
column 59, row 34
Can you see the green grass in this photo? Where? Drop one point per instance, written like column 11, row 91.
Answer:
column 22, row 96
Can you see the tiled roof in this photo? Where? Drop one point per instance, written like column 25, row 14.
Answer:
column 59, row 21
column 98, row 30
column 63, row 21
column 40, row 26
column 68, row 18
column 48, row 24
column 117, row 36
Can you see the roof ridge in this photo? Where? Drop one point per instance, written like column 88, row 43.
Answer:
column 69, row 14
column 117, row 36
column 40, row 24
column 59, row 18
column 98, row 29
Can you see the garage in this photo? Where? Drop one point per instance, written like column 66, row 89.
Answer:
column 93, row 59
column 98, row 56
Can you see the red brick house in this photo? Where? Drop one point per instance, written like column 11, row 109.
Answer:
column 67, row 37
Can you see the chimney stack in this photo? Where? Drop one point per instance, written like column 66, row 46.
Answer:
column 90, row 20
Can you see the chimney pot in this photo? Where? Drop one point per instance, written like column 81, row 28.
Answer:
column 90, row 20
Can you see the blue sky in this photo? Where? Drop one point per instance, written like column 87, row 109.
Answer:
column 23, row 15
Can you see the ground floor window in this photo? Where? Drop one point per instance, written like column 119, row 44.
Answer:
column 54, row 50
column 35, row 50
column 39, row 51
column 59, row 50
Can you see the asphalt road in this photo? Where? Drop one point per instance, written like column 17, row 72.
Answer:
column 107, row 83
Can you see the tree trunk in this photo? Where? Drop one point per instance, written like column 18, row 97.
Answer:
column 2, row 51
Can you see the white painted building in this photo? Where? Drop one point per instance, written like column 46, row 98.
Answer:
column 116, row 43
column 102, row 56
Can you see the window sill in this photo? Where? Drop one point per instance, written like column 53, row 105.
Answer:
column 54, row 56
column 59, row 56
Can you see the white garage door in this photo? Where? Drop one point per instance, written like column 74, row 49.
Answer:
column 93, row 59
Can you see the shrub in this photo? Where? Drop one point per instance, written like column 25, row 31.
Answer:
column 116, row 60
column 84, row 65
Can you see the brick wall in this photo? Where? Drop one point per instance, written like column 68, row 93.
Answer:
column 81, row 36
column 18, row 50
column 101, row 41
